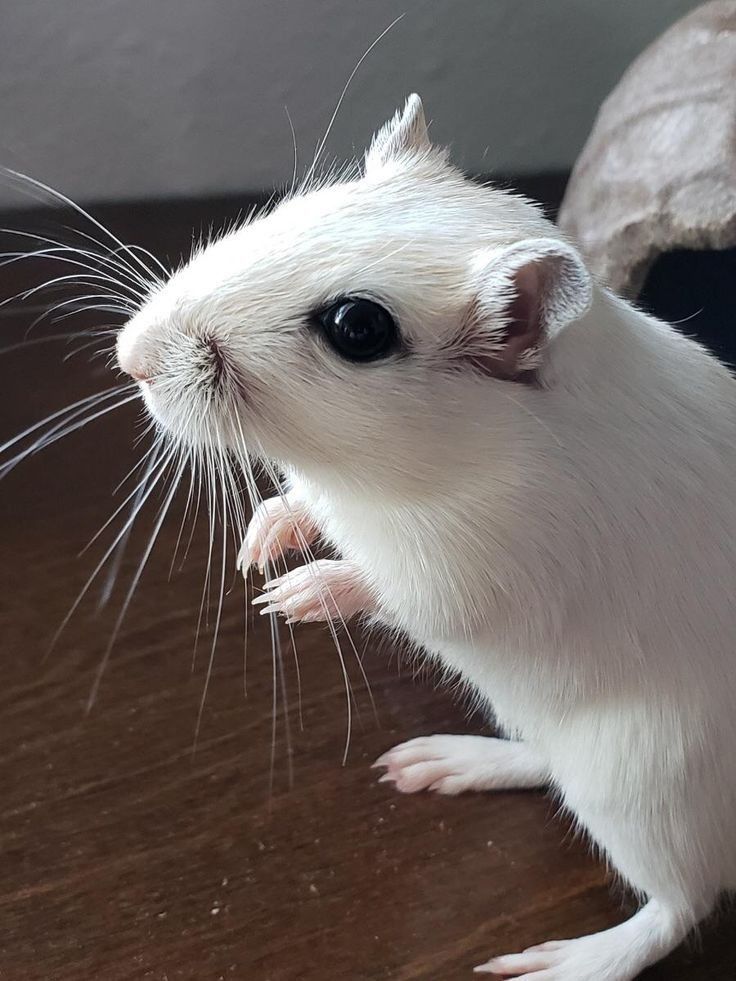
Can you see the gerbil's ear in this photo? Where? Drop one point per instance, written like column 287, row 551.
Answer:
column 405, row 134
column 525, row 294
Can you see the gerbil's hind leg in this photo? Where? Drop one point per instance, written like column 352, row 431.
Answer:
column 619, row 954
column 453, row 764
column 323, row 590
column 657, row 837
column 277, row 526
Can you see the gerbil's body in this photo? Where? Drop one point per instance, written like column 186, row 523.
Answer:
column 531, row 479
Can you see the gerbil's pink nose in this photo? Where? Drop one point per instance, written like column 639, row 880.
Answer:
column 139, row 374
column 134, row 360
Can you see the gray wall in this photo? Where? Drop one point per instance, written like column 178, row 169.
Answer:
column 111, row 99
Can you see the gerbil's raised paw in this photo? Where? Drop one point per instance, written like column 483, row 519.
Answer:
column 277, row 526
column 322, row 590
column 453, row 764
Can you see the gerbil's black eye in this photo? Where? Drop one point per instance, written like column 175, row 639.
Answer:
column 359, row 329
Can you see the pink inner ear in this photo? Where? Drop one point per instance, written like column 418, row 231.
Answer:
column 522, row 330
column 525, row 314
column 506, row 346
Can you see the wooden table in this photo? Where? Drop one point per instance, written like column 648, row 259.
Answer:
column 129, row 853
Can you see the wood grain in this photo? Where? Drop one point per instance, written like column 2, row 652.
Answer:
column 129, row 853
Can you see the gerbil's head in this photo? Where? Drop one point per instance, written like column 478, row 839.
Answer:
column 359, row 328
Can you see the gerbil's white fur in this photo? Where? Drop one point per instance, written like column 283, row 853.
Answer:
column 568, row 545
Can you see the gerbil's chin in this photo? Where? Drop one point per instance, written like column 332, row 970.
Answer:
column 169, row 418
column 151, row 403
column 196, row 423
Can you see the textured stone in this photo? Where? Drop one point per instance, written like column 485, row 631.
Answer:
column 658, row 171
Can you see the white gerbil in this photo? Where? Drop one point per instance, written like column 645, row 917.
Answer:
column 529, row 477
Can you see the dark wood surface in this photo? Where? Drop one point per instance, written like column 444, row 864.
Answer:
column 130, row 853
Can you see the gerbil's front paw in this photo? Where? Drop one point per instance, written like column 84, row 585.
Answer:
column 322, row 590
column 453, row 764
column 278, row 525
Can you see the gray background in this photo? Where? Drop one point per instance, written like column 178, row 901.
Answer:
column 116, row 99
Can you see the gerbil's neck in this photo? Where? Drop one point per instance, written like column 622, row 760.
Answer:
column 595, row 349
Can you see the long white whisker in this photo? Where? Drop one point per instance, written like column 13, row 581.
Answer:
column 216, row 630
column 69, row 336
column 152, row 257
column 47, row 440
column 278, row 678
column 111, row 307
column 60, row 252
column 107, row 307
column 129, row 595
column 154, row 452
column 39, row 185
column 139, row 463
column 117, row 311
column 353, row 73
column 195, row 468
column 129, row 521
column 116, row 390
column 119, row 261
column 82, row 303
column 117, row 559
column 210, row 498
column 187, row 505
column 84, row 279
column 108, row 349
column 296, row 154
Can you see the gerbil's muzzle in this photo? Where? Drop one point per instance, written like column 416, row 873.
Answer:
column 133, row 356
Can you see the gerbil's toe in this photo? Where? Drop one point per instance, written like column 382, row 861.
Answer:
column 549, row 945
column 293, row 598
column 277, row 526
column 599, row 957
column 534, row 964
column 268, row 538
column 420, row 765
column 453, row 764
column 322, row 590
column 412, row 779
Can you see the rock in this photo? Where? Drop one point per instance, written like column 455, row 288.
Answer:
column 658, row 171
